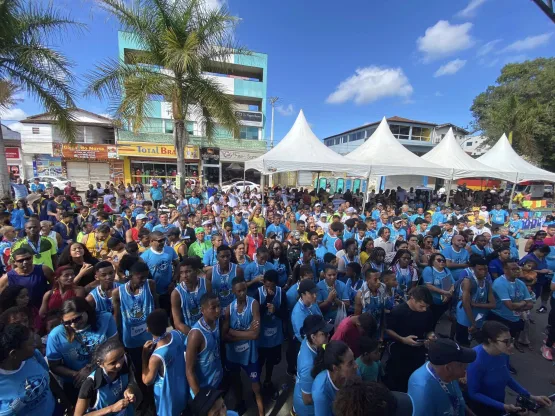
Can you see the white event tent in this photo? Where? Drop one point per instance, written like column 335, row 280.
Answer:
column 503, row 157
column 301, row 150
column 449, row 154
column 385, row 156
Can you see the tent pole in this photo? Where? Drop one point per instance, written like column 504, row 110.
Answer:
column 513, row 192
column 318, row 183
column 448, row 190
column 366, row 196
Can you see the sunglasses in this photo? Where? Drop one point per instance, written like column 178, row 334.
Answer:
column 24, row 260
column 75, row 320
column 507, row 342
column 162, row 240
column 440, row 260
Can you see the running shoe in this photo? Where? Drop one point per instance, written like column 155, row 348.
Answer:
column 541, row 309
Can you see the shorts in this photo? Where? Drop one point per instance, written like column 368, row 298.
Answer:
column 270, row 355
column 252, row 370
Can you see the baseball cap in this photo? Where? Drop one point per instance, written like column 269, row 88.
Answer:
column 315, row 323
column 445, row 351
column 199, row 230
column 307, row 286
column 141, row 217
column 204, row 400
column 395, row 219
column 317, row 205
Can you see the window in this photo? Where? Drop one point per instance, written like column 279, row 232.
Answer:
column 336, row 141
column 468, row 144
column 404, row 132
column 36, row 130
column 249, row 133
column 168, row 127
column 421, row 134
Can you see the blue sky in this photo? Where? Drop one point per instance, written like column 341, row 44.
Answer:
column 350, row 63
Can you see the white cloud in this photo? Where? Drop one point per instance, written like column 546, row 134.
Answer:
column 285, row 111
column 371, row 84
column 214, row 4
column 528, row 43
column 487, row 48
column 470, row 10
column 438, row 94
column 450, row 68
column 13, row 114
column 444, row 39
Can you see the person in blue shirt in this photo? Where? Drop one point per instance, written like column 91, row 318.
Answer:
column 397, row 232
column 475, row 301
column 100, row 297
column 210, row 257
column 37, row 187
column 498, row 216
column 537, row 254
column 488, row 376
column 161, row 260
column 23, row 367
column 240, row 330
column 239, row 226
column 447, row 235
column 439, row 280
column 511, row 297
column 254, row 272
column 316, row 330
column 515, row 225
column 495, row 266
column 331, row 241
column 202, row 357
column 57, row 202
column 71, row 344
column 164, row 225
column 456, row 256
column 277, row 227
column 480, row 246
column 164, row 365
column 111, row 387
column 332, row 293
column 371, row 231
column 333, row 367
column 302, row 272
column 156, row 194
column 419, row 214
column 434, row 387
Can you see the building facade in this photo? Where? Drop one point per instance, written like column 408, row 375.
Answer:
column 92, row 158
column 474, row 145
column 152, row 153
column 14, row 155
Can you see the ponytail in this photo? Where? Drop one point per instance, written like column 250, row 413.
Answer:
column 327, row 356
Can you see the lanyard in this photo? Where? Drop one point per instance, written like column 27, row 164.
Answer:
column 34, row 248
column 453, row 398
column 193, row 295
column 241, row 316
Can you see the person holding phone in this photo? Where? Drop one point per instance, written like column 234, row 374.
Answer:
column 440, row 282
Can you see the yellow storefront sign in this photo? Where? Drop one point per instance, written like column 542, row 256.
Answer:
column 156, row 150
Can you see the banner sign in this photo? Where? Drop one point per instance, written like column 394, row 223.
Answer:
column 210, row 155
column 156, row 150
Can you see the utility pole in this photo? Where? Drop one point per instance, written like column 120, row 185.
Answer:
column 273, row 101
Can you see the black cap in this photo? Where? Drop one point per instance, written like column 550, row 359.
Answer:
column 315, row 323
column 307, row 285
column 403, row 402
column 272, row 234
column 204, row 400
column 445, row 351
column 395, row 219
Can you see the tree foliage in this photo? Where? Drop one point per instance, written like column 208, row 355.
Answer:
column 521, row 102
column 179, row 40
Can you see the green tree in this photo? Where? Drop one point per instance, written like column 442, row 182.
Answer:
column 179, row 40
column 26, row 63
column 522, row 104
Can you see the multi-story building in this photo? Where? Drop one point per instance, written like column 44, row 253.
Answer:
column 474, row 145
column 92, row 158
column 12, row 146
column 152, row 153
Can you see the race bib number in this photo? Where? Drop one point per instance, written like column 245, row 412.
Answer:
column 138, row 330
column 270, row 332
column 242, row 347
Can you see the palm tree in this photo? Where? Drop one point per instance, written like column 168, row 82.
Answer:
column 179, row 40
column 26, row 63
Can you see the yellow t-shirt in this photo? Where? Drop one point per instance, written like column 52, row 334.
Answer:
column 260, row 224
column 364, row 257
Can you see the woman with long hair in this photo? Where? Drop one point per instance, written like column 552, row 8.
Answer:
column 366, row 249
column 495, row 266
column 535, row 240
column 111, row 387
column 81, row 261
column 376, row 260
column 278, row 257
column 405, row 272
column 20, row 214
column 427, row 249
column 334, row 365
column 71, row 344
column 64, row 288
column 14, row 295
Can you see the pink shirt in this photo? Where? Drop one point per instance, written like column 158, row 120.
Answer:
column 348, row 332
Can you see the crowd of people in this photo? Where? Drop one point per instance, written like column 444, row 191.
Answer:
column 119, row 304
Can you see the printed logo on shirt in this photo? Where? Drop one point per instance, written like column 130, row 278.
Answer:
column 29, row 394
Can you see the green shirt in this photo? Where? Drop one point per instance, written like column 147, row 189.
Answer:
column 198, row 249
column 372, row 372
column 42, row 254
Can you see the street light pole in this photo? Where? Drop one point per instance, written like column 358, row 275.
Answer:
column 273, row 101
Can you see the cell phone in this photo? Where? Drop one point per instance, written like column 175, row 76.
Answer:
column 421, row 340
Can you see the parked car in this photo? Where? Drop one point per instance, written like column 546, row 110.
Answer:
column 57, row 182
column 240, row 185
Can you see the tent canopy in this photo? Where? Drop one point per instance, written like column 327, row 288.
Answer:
column 301, row 150
column 503, row 157
column 386, row 157
column 449, row 154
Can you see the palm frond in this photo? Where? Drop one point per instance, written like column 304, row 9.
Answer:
column 8, row 91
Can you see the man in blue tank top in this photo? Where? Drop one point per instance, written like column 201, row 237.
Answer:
column 221, row 275
column 100, row 297
column 240, row 330
column 187, row 294
column 202, row 359
column 273, row 313
column 163, row 365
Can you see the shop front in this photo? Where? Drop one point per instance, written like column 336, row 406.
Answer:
column 143, row 162
column 13, row 157
column 86, row 164
column 233, row 165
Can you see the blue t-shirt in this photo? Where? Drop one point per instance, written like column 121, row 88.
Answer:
column 498, row 216
column 163, row 228
column 430, row 399
column 78, row 353
column 279, row 229
column 241, row 229
column 395, row 233
column 460, row 257
column 253, row 270
column 514, row 291
column 342, row 294
column 305, row 362
column 514, row 226
column 323, row 394
column 160, row 265
column 445, row 239
column 442, row 280
column 300, row 312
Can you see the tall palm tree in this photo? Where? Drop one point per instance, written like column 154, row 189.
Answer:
column 179, row 40
column 25, row 28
